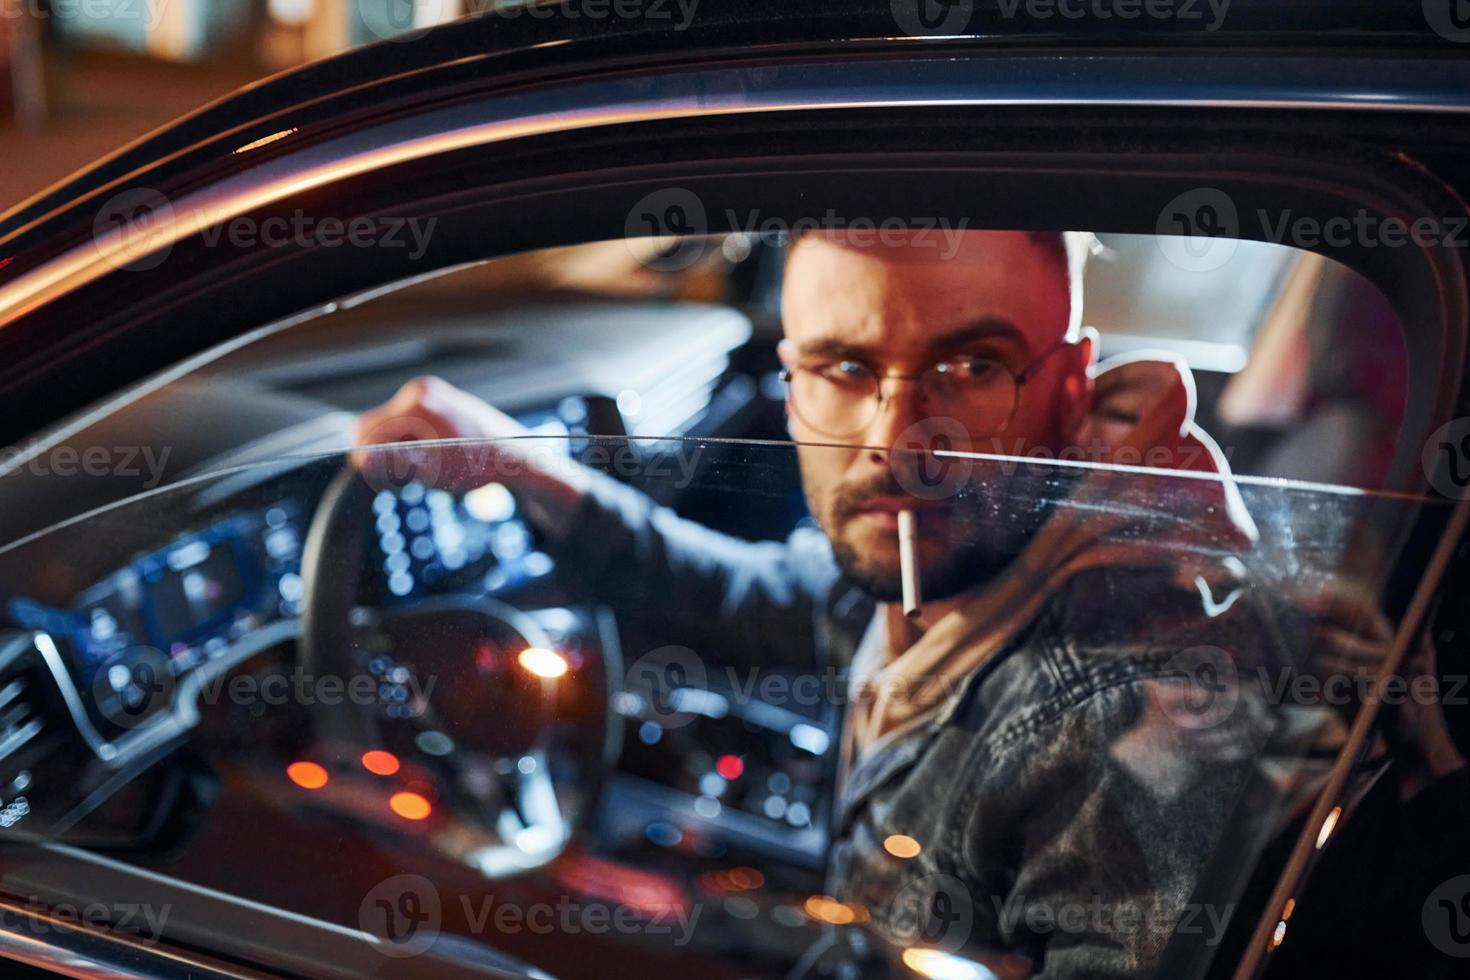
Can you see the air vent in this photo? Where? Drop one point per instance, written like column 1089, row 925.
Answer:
column 34, row 725
column 19, row 724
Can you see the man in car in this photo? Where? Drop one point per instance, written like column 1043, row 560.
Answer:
column 1020, row 767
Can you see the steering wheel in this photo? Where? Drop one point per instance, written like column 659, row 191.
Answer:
column 507, row 745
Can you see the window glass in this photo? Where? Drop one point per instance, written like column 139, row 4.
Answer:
column 801, row 604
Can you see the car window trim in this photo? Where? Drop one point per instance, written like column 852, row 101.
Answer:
column 957, row 82
column 1329, row 807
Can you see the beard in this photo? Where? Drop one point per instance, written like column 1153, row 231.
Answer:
column 961, row 570
column 984, row 525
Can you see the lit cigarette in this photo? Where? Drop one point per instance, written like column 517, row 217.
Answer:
column 908, row 563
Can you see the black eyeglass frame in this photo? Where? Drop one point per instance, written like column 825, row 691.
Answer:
column 1020, row 378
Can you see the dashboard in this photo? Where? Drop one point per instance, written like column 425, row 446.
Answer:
column 191, row 601
column 139, row 644
column 125, row 626
column 142, row 652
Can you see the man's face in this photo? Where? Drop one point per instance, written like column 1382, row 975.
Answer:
column 899, row 308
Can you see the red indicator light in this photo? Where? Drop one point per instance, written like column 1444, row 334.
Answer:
column 730, row 766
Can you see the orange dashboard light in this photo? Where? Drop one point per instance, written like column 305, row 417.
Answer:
column 410, row 806
column 901, row 846
column 307, row 775
column 824, row 908
column 380, row 763
column 543, row 662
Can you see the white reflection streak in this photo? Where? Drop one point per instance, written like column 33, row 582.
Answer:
column 1275, row 482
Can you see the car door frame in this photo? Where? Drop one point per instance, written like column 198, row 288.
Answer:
column 875, row 133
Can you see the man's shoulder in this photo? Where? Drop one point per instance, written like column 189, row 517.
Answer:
column 1116, row 624
column 1083, row 672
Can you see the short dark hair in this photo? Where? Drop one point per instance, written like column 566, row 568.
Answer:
column 1071, row 248
column 1074, row 248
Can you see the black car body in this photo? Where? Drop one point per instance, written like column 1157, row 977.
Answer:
column 544, row 126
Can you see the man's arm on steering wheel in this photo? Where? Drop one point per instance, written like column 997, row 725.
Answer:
column 667, row 578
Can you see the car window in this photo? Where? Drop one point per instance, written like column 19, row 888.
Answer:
column 622, row 673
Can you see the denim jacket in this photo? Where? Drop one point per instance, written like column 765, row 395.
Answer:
column 1064, row 803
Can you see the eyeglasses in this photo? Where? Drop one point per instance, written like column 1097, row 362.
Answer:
column 840, row 397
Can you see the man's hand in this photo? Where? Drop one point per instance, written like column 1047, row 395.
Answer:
column 495, row 448
column 427, row 409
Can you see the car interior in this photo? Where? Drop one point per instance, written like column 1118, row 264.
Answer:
column 150, row 614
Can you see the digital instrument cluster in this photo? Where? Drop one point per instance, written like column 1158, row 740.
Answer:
column 188, row 600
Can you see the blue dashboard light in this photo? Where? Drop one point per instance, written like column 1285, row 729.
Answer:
column 663, row 833
column 512, row 541
column 291, row 587
column 281, row 543
column 809, row 737
column 434, row 743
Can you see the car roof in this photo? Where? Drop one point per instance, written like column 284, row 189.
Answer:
column 526, row 44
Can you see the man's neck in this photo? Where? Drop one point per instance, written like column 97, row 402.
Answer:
column 904, row 632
